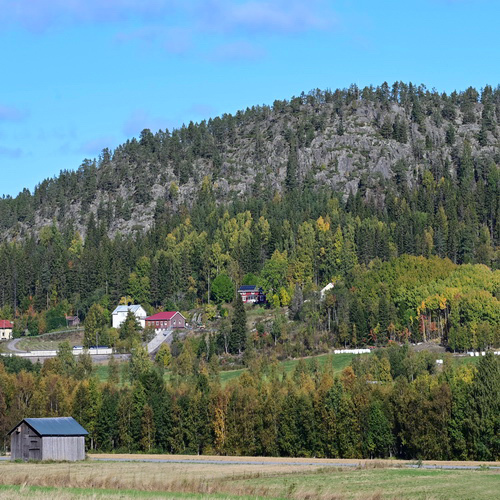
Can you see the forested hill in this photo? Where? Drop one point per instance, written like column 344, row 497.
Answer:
column 393, row 193
column 371, row 146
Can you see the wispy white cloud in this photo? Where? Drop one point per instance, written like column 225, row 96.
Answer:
column 12, row 114
column 237, row 51
column 38, row 15
column 178, row 26
column 269, row 17
column 10, row 152
column 176, row 40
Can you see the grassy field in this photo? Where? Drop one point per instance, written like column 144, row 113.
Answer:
column 234, row 481
column 49, row 342
column 338, row 361
column 462, row 360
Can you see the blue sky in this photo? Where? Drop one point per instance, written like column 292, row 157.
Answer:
column 80, row 75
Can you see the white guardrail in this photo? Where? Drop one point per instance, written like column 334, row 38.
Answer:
column 481, row 353
column 50, row 354
column 351, row 351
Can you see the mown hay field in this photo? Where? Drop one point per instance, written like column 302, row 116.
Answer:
column 124, row 480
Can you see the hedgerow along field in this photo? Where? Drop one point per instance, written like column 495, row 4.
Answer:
column 126, row 480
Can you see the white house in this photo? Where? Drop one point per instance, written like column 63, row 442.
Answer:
column 5, row 329
column 325, row 289
column 120, row 314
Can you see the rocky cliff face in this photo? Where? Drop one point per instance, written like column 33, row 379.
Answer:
column 345, row 140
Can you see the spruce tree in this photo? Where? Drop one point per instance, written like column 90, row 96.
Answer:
column 238, row 335
column 484, row 410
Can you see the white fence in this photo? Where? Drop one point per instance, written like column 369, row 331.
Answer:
column 50, row 354
column 351, row 351
column 481, row 353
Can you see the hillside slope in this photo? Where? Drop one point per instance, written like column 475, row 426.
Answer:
column 345, row 140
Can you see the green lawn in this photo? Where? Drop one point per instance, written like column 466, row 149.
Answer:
column 462, row 360
column 324, row 483
column 101, row 371
column 389, row 483
column 50, row 341
column 51, row 493
column 338, row 361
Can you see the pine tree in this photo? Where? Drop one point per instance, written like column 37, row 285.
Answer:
column 291, row 179
column 386, row 129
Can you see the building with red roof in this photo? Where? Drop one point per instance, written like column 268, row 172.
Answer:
column 165, row 320
column 5, row 329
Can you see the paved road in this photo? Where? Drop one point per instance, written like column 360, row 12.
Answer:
column 96, row 358
column 159, row 338
column 301, row 464
column 11, row 346
column 285, row 463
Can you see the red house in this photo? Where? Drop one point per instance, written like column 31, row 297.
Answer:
column 164, row 320
column 251, row 294
column 5, row 329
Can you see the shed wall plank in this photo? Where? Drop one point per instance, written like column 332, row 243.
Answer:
column 63, row 448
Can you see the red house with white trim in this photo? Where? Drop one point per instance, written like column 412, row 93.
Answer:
column 167, row 319
column 252, row 294
column 5, row 329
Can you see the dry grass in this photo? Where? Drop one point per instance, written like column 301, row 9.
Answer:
column 41, row 493
column 372, row 480
column 208, row 480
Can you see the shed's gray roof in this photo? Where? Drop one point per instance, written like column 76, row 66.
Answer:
column 133, row 308
column 59, row 426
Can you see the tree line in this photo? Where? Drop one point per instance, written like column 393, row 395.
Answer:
column 430, row 121
column 394, row 403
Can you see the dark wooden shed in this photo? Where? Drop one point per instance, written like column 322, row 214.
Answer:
column 61, row 438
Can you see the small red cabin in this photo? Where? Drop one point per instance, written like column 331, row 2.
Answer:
column 165, row 320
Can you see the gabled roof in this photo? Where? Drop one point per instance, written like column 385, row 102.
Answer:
column 162, row 316
column 125, row 309
column 248, row 288
column 59, row 426
column 4, row 323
